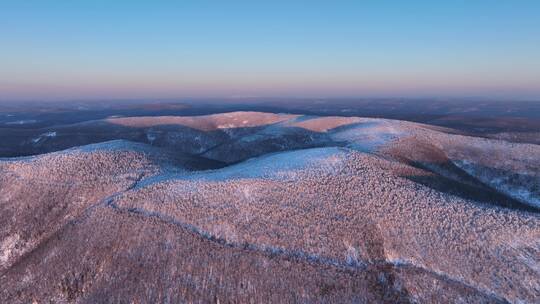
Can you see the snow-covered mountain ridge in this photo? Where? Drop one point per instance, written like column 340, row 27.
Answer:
column 257, row 206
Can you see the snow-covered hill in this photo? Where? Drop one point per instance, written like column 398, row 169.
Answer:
column 269, row 207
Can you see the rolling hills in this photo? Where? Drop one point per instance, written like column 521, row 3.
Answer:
column 250, row 206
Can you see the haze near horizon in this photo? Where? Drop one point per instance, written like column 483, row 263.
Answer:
column 99, row 49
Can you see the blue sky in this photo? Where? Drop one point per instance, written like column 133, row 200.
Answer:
column 167, row 49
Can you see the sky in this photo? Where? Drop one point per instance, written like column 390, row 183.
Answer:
column 171, row 49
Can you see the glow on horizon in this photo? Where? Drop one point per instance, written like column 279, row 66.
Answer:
column 163, row 49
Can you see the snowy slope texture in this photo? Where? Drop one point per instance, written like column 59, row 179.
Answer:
column 258, row 207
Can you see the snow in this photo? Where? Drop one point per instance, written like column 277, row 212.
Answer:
column 519, row 191
column 7, row 247
column 370, row 135
column 21, row 122
column 226, row 126
column 317, row 198
column 281, row 164
column 44, row 136
column 151, row 137
column 351, row 255
column 113, row 145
